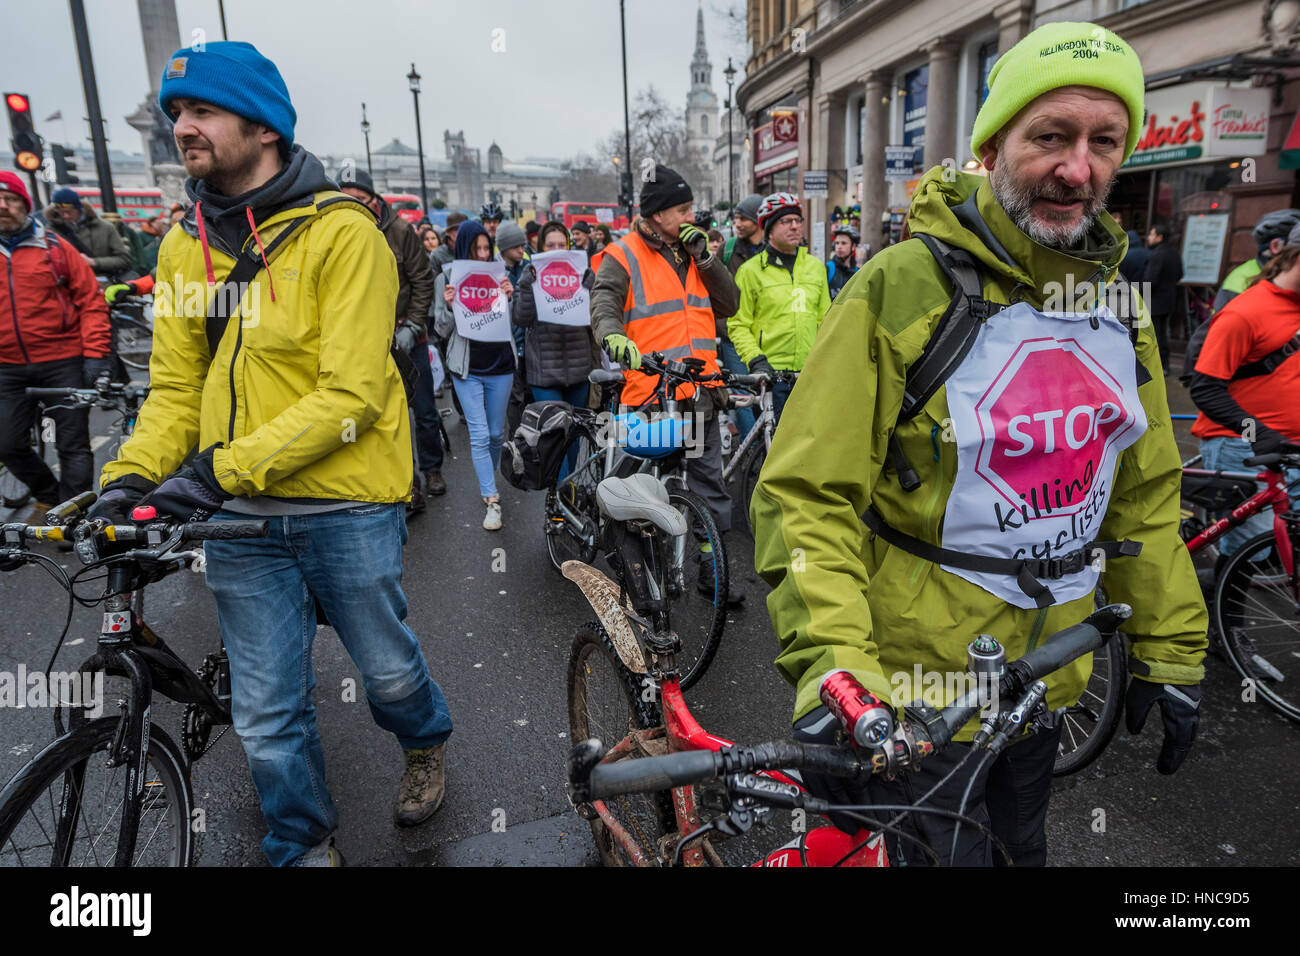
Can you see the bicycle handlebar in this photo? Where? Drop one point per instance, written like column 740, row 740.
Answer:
column 88, row 396
column 590, row 780
column 154, row 532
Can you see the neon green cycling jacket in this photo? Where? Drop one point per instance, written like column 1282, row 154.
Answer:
column 779, row 311
column 842, row 597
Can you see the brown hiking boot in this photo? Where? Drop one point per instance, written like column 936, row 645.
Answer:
column 434, row 484
column 423, row 786
column 417, row 503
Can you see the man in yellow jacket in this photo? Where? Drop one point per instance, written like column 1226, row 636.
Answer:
column 301, row 417
column 892, row 542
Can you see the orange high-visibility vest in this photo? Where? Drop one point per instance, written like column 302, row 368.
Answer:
column 660, row 315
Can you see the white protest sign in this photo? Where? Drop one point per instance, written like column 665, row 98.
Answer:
column 482, row 312
column 558, row 291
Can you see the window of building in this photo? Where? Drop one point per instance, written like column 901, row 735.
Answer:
column 985, row 57
column 780, row 15
column 704, row 124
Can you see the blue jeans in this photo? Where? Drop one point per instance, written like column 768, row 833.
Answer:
column 352, row 561
column 484, row 400
column 1229, row 454
column 743, row 417
column 575, row 395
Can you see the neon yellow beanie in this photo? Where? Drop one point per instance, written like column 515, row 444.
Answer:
column 1056, row 55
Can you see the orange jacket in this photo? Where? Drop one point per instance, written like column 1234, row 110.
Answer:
column 660, row 315
column 50, row 304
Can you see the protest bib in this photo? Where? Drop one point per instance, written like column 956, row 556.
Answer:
column 559, row 293
column 1042, row 406
column 481, row 310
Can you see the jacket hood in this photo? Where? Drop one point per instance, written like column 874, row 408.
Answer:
column 295, row 185
column 964, row 213
column 465, row 236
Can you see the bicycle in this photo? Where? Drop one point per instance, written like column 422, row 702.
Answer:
column 662, row 752
column 1261, row 586
column 626, row 499
column 132, row 328
column 90, row 796
column 746, row 462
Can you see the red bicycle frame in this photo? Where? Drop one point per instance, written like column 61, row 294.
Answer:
column 1274, row 495
column 820, row 846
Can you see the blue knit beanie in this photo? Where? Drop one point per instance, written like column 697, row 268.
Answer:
column 234, row 76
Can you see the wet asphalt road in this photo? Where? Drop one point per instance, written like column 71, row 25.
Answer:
column 498, row 642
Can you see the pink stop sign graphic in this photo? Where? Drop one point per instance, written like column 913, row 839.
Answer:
column 1045, row 425
column 478, row 292
column 559, row 280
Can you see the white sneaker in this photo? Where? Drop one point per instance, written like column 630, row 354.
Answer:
column 492, row 520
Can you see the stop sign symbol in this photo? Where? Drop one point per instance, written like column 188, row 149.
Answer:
column 1046, row 423
column 559, row 280
column 477, row 292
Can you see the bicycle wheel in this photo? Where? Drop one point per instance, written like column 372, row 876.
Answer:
column 743, row 481
column 606, row 701
column 1088, row 726
column 698, row 618
column 578, row 492
column 132, row 340
column 34, row 811
column 1259, row 625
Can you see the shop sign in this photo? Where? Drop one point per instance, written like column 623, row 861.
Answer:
column 1193, row 121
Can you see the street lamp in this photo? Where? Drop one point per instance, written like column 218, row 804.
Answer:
column 414, row 79
column 365, row 131
column 730, row 74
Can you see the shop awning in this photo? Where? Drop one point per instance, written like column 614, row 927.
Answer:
column 1290, row 158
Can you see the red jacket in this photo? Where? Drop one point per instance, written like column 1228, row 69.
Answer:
column 51, row 306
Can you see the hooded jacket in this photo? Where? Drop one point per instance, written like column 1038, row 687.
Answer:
column 882, row 613
column 302, row 396
column 50, row 304
column 414, row 273
column 97, row 237
column 458, row 347
column 780, row 309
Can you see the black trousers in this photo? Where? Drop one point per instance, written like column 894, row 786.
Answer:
column 71, row 431
column 1009, row 797
column 428, row 437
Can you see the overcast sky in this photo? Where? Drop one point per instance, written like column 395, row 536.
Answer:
column 555, row 90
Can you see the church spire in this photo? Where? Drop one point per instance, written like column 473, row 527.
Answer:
column 701, row 68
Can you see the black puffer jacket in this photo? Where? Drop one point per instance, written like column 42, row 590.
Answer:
column 555, row 356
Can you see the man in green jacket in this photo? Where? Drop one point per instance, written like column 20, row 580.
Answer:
column 1049, row 449
column 783, row 297
column 96, row 239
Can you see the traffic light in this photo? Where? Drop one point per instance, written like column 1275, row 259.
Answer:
column 27, row 147
column 64, row 167
column 625, row 189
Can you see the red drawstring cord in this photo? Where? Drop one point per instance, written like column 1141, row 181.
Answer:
column 203, row 241
column 252, row 225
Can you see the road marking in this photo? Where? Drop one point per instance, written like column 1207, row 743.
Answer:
column 99, row 441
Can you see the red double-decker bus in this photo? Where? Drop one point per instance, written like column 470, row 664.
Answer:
column 406, row 205
column 609, row 213
column 133, row 205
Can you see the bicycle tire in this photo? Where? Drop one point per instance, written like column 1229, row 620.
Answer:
column 1255, row 614
column 607, row 701
column 168, row 798
column 697, row 619
column 744, row 480
column 132, row 341
column 1083, row 735
column 561, row 544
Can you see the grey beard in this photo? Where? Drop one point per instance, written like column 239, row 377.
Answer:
column 1018, row 200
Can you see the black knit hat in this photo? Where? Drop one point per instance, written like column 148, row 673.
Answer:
column 351, row 176
column 664, row 190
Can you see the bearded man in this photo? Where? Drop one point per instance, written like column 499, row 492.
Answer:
column 1038, row 460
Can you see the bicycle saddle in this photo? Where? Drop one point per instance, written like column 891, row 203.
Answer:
column 640, row 497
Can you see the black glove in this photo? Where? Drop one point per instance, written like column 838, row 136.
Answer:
column 589, row 280
column 1180, row 709
column 820, row 726
column 1267, row 441
column 191, row 489
column 695, row 241
column 117, row 498
column 92, row 369
column 761, row 366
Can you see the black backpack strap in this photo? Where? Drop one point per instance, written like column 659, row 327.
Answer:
column 1127, row 317
column 1269, row 363
column 1026, row 571
column 948, row 346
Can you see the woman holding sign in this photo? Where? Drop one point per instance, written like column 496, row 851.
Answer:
column 473, row 314
column 555, row 311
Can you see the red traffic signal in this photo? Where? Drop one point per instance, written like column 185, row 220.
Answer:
column 27, row 146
